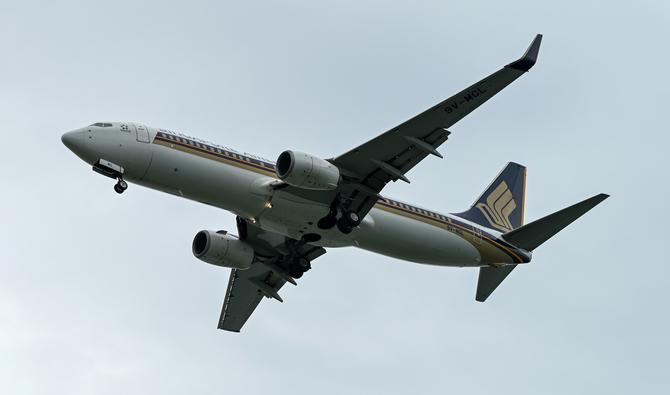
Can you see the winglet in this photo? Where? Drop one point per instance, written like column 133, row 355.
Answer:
column 530, row 57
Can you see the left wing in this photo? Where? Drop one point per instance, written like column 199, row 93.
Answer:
column 277, row 260
column 367, row 168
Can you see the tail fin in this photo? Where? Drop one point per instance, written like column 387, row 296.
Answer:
column 531, row 236
column 502, row 203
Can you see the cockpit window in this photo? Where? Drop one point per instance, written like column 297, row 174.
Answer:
column 102, row 124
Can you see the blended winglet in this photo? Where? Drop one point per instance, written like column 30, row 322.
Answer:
column 530, row 57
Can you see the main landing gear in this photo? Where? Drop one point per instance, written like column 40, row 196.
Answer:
column 295, row 264
column 298, row 267
column 346, row 223
column 120, row 186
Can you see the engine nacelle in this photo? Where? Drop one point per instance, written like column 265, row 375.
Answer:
column 222, row 249
column 306, row 171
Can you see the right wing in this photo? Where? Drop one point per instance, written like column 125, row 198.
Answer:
column 246, row 288
column 242, row 296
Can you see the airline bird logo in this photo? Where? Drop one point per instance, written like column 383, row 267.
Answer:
column 498, row 207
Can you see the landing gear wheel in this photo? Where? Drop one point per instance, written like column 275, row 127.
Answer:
column 304, row 264
column 299, row 267
column 352, row 218
column 348, row 222
column 295, row 272
column 344, row 227
column 120, row 186
column 328, row 221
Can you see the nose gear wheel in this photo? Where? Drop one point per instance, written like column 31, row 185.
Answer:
column 120, row 186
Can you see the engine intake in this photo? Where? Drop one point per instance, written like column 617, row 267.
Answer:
column 222, row 249
column 306, row 171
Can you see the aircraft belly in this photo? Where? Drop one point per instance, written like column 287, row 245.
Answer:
column 240, row 191
column 295, row 217
column 405, row 238
column 251, row 196
column 203, row 180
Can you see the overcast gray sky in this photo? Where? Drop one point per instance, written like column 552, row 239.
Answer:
column 99, row 293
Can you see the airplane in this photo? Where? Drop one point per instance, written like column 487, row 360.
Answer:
column 289, row 211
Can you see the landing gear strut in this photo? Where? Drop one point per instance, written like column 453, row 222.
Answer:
column 120, row 186
column 329, row 220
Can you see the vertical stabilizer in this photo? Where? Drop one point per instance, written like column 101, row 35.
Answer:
column 501, row 205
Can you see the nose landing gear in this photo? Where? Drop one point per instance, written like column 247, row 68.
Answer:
column 120, row 186
column 111, row 170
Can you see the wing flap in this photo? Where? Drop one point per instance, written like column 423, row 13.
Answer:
column 240, row 301
column 246, row 288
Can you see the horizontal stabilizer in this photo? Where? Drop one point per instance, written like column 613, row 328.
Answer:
column 532, row 235
column 489, row 279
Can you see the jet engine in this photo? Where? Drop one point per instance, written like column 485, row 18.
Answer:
column 306, row 171
column 222, row 249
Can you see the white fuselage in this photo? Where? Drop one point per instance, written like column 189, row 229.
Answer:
column 242, row 184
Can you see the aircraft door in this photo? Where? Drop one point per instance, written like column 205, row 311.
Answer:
column 142, row 133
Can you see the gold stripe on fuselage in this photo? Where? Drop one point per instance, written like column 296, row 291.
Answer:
column 490, row 252
column 215, row 155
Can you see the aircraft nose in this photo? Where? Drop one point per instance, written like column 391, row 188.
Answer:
column 74, row 140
